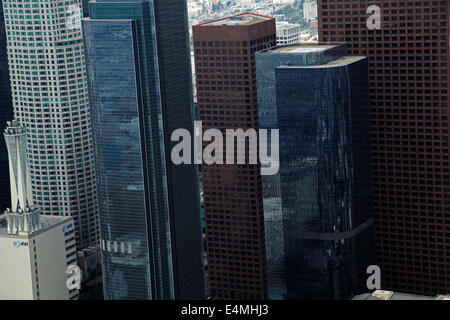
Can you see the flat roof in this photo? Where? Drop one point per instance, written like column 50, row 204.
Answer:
column 243, row 19
column 395, row 296
column 286, row 25
column 339, row 62
column 304, row 48
column 47, row 222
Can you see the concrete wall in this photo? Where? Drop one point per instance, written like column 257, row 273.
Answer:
column 36, row 268
column 51, row 264
column 15, row 270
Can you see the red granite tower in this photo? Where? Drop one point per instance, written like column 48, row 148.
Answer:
column 409, row 90
column 227, row 99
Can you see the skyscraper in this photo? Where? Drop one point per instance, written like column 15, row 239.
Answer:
column 287, row 33
column 310, row 9
column 407, row 43
column 141, row 91
column 317, row 209
column 23, row 216
column 50, row 98
column 36, row 250
column 226, row 94
column 6, row 113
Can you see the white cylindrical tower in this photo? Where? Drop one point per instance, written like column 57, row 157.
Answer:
column 23, row 217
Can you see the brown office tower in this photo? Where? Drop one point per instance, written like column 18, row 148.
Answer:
column 227, row 99
column 408, row 50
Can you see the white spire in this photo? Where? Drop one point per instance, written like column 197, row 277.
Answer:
column 23, row 217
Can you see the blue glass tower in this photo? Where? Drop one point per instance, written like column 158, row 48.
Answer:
column 318, row 211
column 6, row 114
column 140, row 91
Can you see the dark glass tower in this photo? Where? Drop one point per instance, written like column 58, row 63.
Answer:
column 6, row 114
column 140, row 90
column 317, row 210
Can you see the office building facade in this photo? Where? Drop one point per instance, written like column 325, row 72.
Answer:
column 287, row 33
column 141, row 91
column 318, row 208
column 50, row 98
column 226, row 96
column 407, row 43
column 309, row 10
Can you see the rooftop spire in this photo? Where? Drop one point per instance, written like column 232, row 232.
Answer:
column 23, row 217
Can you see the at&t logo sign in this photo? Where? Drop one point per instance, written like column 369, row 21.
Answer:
column 17, row 243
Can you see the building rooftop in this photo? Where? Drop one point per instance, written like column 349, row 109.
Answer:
column 390, row 295
column 47, row 222
column 304, row 48
column 286, row 25
column 339, row 62
column 243, row 19
column 342, row 61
